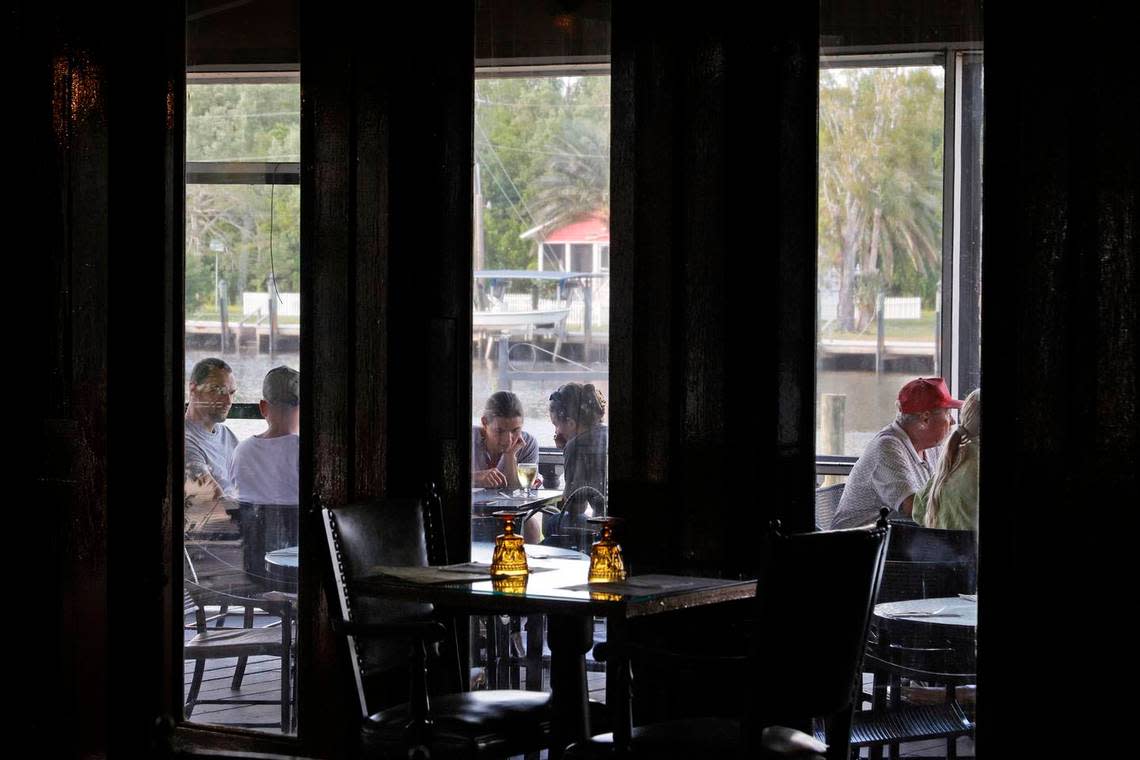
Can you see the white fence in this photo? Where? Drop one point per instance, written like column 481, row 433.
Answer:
column 289, row 304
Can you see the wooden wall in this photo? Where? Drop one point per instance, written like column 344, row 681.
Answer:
column 97, row 225
column 1060, row 293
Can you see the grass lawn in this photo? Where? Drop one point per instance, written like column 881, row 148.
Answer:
column 900, row 329
column 235, row 316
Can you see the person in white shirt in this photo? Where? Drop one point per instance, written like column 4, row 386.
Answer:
column 265, row 466
column 209, row 444
column 900, row 459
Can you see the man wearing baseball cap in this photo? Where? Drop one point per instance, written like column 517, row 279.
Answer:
column 265, row 466
column 901, row 457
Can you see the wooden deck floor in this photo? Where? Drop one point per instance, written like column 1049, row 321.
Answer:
column 262, row 681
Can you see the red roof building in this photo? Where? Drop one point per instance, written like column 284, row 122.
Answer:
column 581, row 246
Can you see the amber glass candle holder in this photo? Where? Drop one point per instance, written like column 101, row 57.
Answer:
column 509, row 558
column 606, row 563
column 510, row 584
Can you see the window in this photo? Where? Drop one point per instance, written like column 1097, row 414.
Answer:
column 542, row 300
column 899, row 237
column 242, row 344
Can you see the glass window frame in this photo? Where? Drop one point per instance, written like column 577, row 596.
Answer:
column 253, row 173
column 569, row 66
column 241, row 173
column 954, row 330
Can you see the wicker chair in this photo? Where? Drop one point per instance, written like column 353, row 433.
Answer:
column 922, row 563
column 826, row 502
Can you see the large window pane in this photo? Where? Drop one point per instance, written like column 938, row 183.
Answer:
column 880, row 244
column 542, row 195
column 243, row 122
column 541, row 325
column 242, row 344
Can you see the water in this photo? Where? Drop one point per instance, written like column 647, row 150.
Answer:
column 535, row 397
column 870, row 399
column 249, row 371
column 870, row 404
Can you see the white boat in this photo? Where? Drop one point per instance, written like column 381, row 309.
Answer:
column 507, row 320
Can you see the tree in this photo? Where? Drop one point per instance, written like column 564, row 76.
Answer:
column 247, row 230
column 880, row 185
column 576, row 183
column 524, row 128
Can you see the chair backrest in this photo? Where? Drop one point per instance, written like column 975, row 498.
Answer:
column 360, row 536
column 814, row 599
column 826, row 502
column 927, row 563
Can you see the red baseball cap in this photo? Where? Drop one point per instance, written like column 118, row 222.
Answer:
column 926, row 394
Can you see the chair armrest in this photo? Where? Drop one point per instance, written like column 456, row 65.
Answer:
column 275, row 605
column 425, row 630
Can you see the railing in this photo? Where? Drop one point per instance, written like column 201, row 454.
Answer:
column 509, row 371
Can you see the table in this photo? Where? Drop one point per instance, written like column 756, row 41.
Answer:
column 950, row 634
column 500, row 673
column 486, row 501
column 281, row 565
column 570, row 613
column 955, row 625
column 956, row 613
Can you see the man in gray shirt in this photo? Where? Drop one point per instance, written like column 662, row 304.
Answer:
column 901, row 457
column 209, row 444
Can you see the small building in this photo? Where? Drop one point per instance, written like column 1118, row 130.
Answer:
column 581, row 246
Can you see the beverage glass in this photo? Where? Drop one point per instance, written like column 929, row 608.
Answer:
column 527, row 473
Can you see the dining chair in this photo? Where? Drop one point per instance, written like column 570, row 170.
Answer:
column 813, row 605
column 227, row 642
column 826, row 502
column 922, row 563
column 388, row 644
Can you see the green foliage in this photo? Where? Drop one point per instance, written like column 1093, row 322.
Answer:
column 542, row 145
column 880, row 182
column 229, row 227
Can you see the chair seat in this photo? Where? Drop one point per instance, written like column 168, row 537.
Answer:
column 910, row 724
column 473, row 724
column 707, row 737
column 234, row 642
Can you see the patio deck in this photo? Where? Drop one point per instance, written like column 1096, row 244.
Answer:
column 262, row 675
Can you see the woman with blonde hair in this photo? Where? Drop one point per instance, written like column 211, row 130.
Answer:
column 949, row 500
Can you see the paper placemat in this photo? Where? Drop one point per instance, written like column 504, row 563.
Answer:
column 647, row 584
column 463, row 572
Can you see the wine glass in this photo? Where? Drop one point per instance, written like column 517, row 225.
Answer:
column 527, row 473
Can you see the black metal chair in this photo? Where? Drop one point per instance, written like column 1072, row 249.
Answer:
column 826, row 502
column 813, row 606
column 401, row 721
column 922, row 563
column 226, row 642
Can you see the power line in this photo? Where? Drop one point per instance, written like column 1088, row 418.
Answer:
column 506, row 173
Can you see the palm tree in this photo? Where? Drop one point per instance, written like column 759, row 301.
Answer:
column 880, row 184
column 576, row 181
